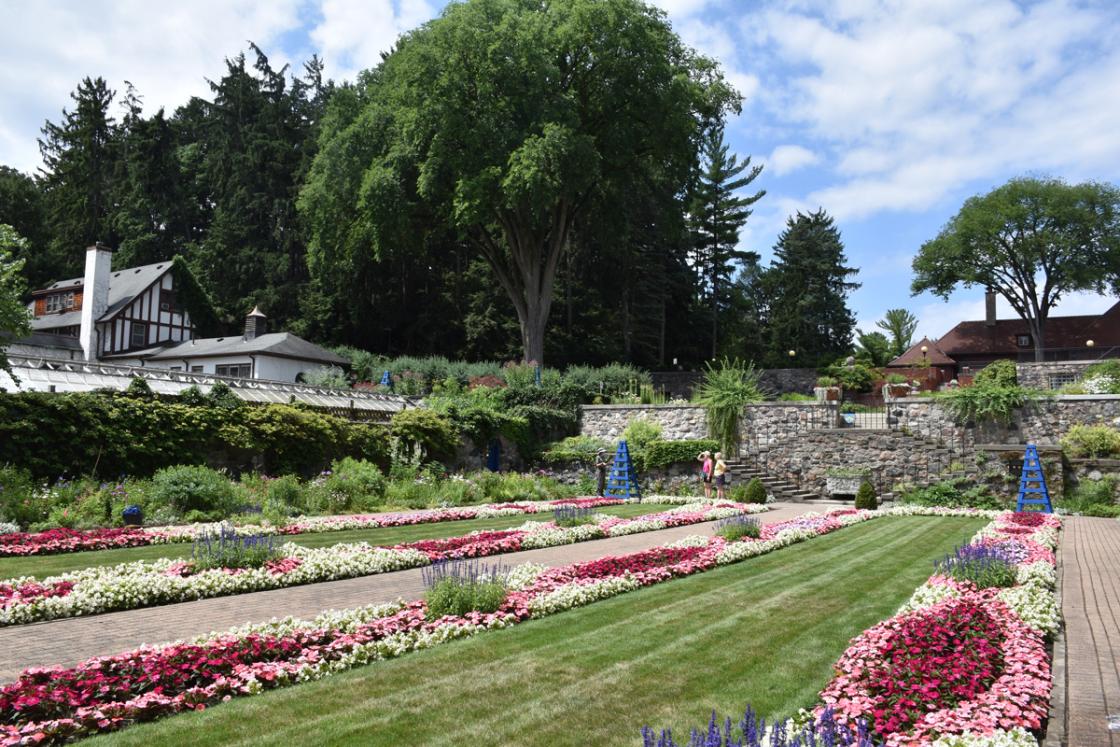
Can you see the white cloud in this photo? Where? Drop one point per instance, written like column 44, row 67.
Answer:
column 167, row 50
column 922, row 100
column 353, row 33
column 788, row 158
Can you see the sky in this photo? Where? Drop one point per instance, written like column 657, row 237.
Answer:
column 887, row 114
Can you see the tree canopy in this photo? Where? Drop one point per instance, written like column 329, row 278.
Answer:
column 510, row 122
column 900, row 325
column 1032, row 240
column 14, row 318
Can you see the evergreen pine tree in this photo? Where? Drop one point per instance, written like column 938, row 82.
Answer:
column 21, row 207
column 79, row 164
column 806, row 291
column 717, row 215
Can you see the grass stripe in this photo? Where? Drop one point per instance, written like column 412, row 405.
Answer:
column 765, row 632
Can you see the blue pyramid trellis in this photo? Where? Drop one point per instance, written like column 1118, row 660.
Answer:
column 386, row 380
column 622, row 482
column 1032, row 485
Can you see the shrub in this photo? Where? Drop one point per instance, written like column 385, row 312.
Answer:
column 753, row 492
column 796, row 397
column 189, row 489
column 1090, row 494
column 737, row 527
column 982, row 403
column 956, row 493
column 1091, row 441
column 664, row 453
column 574, row 450
column 896, row 379
column 356, row 484
column 866, row 499
column 1103, row 510
column 723, row 393
column 854, row 378
column 285, row 496
column 997, row 373
column 18, row 501
column 639, row 433
column 433, row 435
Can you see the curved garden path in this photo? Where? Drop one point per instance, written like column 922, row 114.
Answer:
column 1090, row 586
column 72, row 640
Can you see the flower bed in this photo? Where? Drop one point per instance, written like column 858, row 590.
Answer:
column 164, row 581
column 108, row 693
column 959, row 664
column 55, row 541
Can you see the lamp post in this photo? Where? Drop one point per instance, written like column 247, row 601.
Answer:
column 1089, row 343
column 792, row 354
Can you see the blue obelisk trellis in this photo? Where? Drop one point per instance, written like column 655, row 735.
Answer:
column 622, row 482
column 1032, row 485
column 387, row 380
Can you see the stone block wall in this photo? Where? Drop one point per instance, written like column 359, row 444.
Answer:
column 1050, row 374
column 678, row 422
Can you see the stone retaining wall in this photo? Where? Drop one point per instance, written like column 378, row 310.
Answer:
column 678, row 422
column 1050, row 374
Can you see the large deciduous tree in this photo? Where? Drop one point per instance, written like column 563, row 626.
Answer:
column 508, row 120
column 807, row 288
column 14, row 317
column 1033, row 241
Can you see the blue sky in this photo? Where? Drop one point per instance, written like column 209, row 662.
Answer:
column 887, row 114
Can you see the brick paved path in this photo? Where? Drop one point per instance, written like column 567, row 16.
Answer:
column 1090, row 584
column 72, row 640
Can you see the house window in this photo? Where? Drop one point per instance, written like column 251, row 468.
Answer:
column 168, row 302
column 237, row 370
column 196, row 369
column 1023, row 341
column 139, row 335
column 176, row 368
column 60, row 302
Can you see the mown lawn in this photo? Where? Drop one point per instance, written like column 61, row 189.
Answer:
column 765, row 632
column 48, row 565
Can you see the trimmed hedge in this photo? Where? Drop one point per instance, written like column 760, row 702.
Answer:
column 663, row 453
column 109, row 434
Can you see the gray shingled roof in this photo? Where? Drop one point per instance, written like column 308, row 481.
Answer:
column 282, row 344
column 124, row 285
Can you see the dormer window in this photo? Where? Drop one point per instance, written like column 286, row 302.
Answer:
column 58, row 302
column 1023, row 341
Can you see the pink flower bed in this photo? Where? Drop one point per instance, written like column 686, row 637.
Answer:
column 967, row 663
column 475, row 545
column 28, row 592
column 107, row 693
column 54, row 541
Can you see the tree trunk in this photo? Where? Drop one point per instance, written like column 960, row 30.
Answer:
column 1038, row 328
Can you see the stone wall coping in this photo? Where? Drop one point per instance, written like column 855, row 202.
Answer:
column 640, row 407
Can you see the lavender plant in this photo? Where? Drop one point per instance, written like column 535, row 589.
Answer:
column 571, row 516
column 751, row 731
column 983, row 565
column 458, row 587
column 227, row 549
column 737, row 527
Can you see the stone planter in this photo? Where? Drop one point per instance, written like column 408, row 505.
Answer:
column 827, row 393
column 836, row 485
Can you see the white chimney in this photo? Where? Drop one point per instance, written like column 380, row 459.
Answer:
column 95, row 296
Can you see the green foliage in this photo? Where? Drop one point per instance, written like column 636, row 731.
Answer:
column 827, row 381
column 227, row 550
column 18, row 500
column 866, row 499
column 855, row 378
column 194, row 299
column 110, row 434
column 356, row 485
column 956, row 493
column 753, row 492
column 998, row 373
column 873, row 349
column 1090, row 494
column 457, row 596
column 1103, row 510
column 575, row 450
column 285, row 496
column 14, row 318
column 664, row 453
column 896, row 379
column 984, row 574
column 1065, row 238
column 430, row 433
column 723, row 393
column 189, row 488
column 639, row 433
column 1091, row 441
column 986, row 403
column 582, row 133
column 328, row 377
column 899, row 324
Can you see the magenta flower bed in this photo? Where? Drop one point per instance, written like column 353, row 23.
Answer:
column 54, row 541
